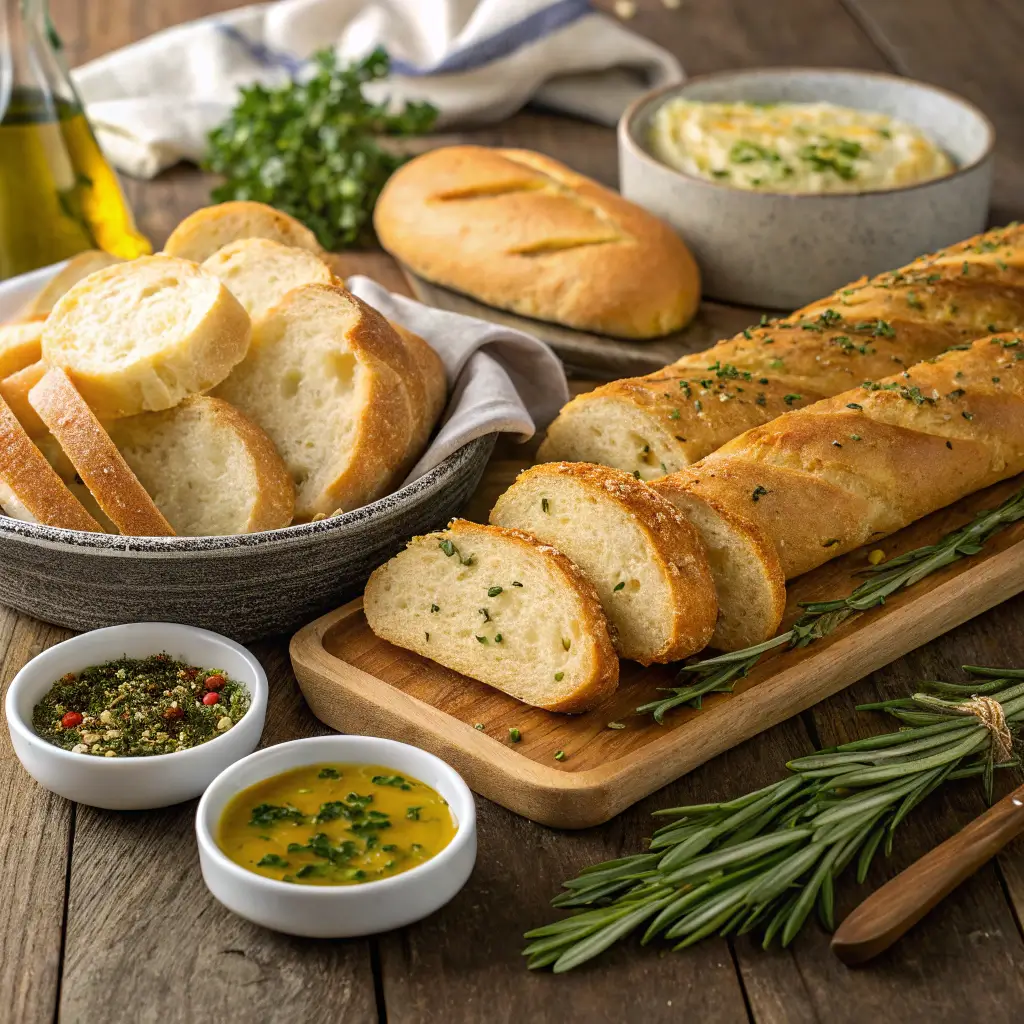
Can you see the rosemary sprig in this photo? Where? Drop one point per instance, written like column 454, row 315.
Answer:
column 765, row 860
column 820, row 618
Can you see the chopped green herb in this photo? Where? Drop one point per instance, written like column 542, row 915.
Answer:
column 413, row 813
column 545, row 505
column 618, row 586
column 559, row 676
column 329, row 773
column 566, row 643
column 758, row 492
column 389, row 780
column 494, row 591
column 272, row 860
column 560, row 755
column 480, row 726
column 514, row 735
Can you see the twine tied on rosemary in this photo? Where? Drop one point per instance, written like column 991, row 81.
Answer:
column 988, row 711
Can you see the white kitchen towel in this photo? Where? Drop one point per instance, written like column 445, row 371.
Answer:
column 499, row 380
column 153, row 103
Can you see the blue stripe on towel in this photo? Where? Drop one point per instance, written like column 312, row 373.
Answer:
column 263, row 54
column 504, row 43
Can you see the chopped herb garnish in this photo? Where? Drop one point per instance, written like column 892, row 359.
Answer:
column 758, row 492
column 494, row 591
column 514, row 735
column 560, row 755
column 413, row 813
column 390, row 780
column 545, row 505
column 272, row 860
column 618, row 586
column 559, row 676
column 329, row 773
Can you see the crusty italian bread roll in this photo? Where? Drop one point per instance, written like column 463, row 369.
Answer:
column 141, row 336
column 318, row 380
column 81, row 265
column 499, row 606
column 642, row 556
column 95, row 457
column 749, row 584
column 210, row 470
column 20, row 346
column 30, row 489
column 851, row 469
column 661, row 422
column 202, row 233
column 523, row 232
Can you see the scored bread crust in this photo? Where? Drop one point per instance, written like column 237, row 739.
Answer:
column 734, row 629
column 79, row 266
column 20, row 346
column 523, row 232
column 30, row 488
column 14, row 391
column 95, row 457
column 603, row 679
column 870, row 329
column 206, row 230
column 673, row 547
column 184, row 356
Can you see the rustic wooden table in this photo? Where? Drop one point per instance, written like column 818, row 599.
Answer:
column 104, row 917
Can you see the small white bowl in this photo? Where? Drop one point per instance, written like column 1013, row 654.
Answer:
column 341, row 911
column 134, row 783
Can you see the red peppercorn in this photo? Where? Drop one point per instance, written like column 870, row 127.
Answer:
column 172, row 714
column 71, row 720
column 210, row 699
column 214, row 682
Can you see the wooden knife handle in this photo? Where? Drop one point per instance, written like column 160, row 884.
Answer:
column 886, row 914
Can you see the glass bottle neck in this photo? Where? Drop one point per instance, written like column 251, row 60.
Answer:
column 31, row 67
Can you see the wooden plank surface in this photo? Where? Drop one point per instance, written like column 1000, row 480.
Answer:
column 462, row 965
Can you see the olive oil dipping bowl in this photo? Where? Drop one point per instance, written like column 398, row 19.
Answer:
column 134, row 783
column 778, row 251
column 338, row 911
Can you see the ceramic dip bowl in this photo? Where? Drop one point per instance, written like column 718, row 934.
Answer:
column 780, row 251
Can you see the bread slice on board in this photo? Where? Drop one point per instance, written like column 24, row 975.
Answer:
column 499, row 606
column 96, row 459
column 141, row 336
column 202, row 233
column 316, row 380
column 210, row 470
column 30, row 489
column 643, row 557
column 79, row 266
column 260, row 272
column 20, row 346
column 749, row 582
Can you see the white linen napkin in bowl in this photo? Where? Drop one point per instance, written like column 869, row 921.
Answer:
column 152, row 103
column 499, row 380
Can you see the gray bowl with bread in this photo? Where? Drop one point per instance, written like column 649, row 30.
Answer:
column 772, row 248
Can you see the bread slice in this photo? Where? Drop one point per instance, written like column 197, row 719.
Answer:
column 14, row 391
column 30, row 489
column 141, row 336
column 20, row 346
column 211, row 471
column 748, row 575
column 54, row 455
column 429, row 403
column 260, row 272
column 76, row 268
column 202, row 233
column 645, row 560
column 96, row 459
column 499, row 606
column 316, row 381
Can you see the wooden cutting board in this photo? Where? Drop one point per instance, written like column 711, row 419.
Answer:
column 355, row 682
column 595, row 353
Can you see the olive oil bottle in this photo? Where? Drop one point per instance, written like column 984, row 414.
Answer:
column 58, row 194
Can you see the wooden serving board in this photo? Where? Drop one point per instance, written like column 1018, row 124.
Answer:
column 355, row 682
column 599, row 354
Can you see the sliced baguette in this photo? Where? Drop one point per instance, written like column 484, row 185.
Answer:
column 430, row 373
column 210, row 470
column 141, row 336
column 749, row 581
column 96, row 459
column 20, row 346
column 555, row 648
column 316, row 381
column 76, row 268
column 642, row 556
column 14, row 391
column 30, row 489
column 202, row 233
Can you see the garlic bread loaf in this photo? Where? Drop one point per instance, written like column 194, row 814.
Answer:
column 20, row 346
column 210, row 470
column 851, row 469
column 501, row 607
column 642, row 556
column 95, row 457
column 202, row 233
column 30, row 488
column 669, row 419
column 318, row 381
column 522, row 232
column 141, row 336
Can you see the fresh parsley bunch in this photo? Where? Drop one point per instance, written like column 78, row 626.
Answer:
column 310, row 147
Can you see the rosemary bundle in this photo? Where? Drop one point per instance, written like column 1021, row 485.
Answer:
column 718, row 675
column 765, row 860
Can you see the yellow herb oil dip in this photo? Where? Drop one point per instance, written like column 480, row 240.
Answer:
column 335, row 824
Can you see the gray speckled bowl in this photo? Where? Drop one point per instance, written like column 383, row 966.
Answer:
column 244, row 587
column 781, row 251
